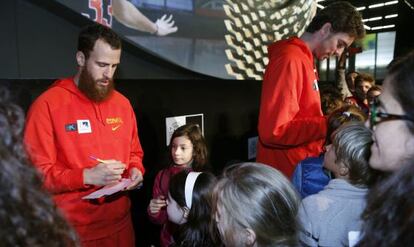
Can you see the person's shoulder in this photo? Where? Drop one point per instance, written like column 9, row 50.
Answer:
column 120, row 100
column 55, row 94
column 317, row 161
column 309, row 207
column 317, row 201
column 120, row 97
column 286, row 50
column 311, row 199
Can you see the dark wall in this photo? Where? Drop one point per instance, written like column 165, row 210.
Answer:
column 404, row 40
column 230, row 111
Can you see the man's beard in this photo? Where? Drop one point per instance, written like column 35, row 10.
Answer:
column 91, row 89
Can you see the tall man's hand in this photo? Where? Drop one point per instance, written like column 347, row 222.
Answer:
column 136, row 176
column 106, row 172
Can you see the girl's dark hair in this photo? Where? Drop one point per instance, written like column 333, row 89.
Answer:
column 389, row 215
column 193, row 133
column 196, row 231
column 401, row 78
column 28, row 214
column 11, row 128
column 331, row 99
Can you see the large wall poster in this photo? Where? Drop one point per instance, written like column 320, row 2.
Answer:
column 222, row 38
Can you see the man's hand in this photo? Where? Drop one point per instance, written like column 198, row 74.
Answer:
column 156, row 204
column 165, row 26
column 108, row 172
column 136, row 176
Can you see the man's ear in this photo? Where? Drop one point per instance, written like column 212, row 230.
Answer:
column 325, row 30
column 80, row 58
column 343, row 170
column 249, row 236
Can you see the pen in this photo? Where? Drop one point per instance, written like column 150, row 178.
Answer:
column 97, row 159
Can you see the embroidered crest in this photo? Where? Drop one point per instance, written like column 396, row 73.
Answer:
column 315, row 85
column 71, row 127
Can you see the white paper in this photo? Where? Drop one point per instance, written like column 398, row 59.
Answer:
column 353, row 238
column 109, row 189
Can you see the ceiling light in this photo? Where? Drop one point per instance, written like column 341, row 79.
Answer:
column 383, row 27
column 376, row 5
column 391, row 2
column 391, row 16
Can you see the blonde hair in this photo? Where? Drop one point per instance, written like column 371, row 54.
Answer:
column 258, row 197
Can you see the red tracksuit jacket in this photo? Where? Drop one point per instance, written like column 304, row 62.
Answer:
column 63, row 129
column 291, row 123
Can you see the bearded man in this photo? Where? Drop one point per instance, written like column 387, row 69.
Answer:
column 82, row 117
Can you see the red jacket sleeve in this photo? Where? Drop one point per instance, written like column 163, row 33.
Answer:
column 40, row 144
column 157, row 191
column 280, row 125
column 136, row 150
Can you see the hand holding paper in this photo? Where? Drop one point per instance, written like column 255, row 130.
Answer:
column 136, row 179
column 110, row 189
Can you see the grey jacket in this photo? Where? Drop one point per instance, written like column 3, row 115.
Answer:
column 328, row 216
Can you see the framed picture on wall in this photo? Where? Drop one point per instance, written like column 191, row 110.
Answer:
column 172, row 123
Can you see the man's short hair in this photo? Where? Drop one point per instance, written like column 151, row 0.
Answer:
column 90, row 34
column 342, row 16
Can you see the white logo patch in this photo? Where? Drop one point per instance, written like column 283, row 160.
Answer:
column 315, row 85
column 84, row 126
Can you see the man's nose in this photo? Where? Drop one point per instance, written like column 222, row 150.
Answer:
column 109, row 72
column 339, row 51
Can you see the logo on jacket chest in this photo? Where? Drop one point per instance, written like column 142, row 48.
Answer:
column 81, row 126
column 114, row 122
column 84, row 126
column 71, row 127
column 315, row 85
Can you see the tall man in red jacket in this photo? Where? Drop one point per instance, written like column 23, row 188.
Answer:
column 80, row 117
column 291, row 123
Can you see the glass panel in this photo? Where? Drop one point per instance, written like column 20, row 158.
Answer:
column 365, row 61
column 332, row 69
column 385, row 52
column 323, row 67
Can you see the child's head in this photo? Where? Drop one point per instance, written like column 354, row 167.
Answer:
column 363, row 82
column 373, row 93
column 347, row 156
column 345, row 114
column 187, row 145
column 331, row 99
column 254, row 204
column 189, row 203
